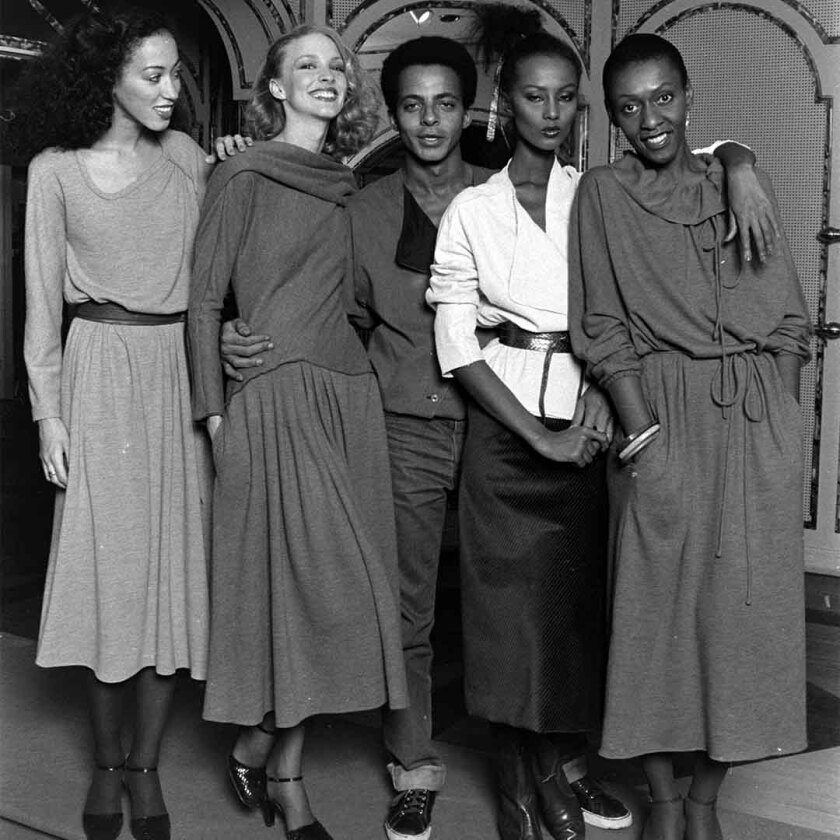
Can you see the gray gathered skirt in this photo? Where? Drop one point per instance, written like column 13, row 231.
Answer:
column 304, row 571
column 126, row 585
column 708, row 620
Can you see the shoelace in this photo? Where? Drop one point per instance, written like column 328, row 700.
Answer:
column 588, row 789
column 414, row 801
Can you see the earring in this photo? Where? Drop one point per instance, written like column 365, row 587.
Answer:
column 494, row 105
column 687, row 119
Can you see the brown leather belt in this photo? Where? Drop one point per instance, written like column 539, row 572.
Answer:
column 545, row 342
column 113, row 313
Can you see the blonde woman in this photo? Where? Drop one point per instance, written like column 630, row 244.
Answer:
column 304, row 583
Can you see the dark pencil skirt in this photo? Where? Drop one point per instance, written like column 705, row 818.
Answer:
column 533, row 572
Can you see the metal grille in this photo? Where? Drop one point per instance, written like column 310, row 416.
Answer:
column 753, row 84
column 574, row 12
column 341, row 10
column 630, row 13
column 825, row 13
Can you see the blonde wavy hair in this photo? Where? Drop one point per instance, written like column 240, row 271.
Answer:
column 351, row 130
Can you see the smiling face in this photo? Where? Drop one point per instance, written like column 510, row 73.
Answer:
column 312, row 81
column 149, row 83
column 543, row 100
column 648, row 101
column 430, row 113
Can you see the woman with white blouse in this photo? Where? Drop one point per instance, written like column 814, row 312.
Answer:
column 532, row 499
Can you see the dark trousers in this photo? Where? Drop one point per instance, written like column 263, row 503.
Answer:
column 425, row 456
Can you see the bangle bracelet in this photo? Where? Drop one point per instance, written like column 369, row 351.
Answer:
column 633, row 435
column 639, row 441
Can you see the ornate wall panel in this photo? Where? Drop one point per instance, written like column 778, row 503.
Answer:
column 823, row 15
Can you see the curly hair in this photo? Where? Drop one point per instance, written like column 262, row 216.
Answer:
column 69, row 88
column 426, row 51
column 265, row 116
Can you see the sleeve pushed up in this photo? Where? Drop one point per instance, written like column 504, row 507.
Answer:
column 454, row 293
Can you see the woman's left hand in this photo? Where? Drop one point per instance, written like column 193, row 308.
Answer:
column 593, row 411
column 752, row 214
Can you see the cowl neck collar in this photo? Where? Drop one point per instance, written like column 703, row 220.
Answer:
column 296, row 168
column 687, row 201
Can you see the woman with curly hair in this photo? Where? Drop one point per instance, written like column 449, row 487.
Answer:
column 304, row 583
column 111, row 215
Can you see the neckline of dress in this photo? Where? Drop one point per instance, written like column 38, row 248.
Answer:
column 141, row 179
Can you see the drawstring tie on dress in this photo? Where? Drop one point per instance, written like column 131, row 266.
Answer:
column 736, row 381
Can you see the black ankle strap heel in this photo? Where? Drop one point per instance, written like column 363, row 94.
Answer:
column 157, row 827
column 104, row 826
column 311, row 831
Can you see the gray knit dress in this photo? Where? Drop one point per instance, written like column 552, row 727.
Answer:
column 707, row 648
column 127, row 584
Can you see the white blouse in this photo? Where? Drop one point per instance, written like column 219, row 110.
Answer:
column 493, row 264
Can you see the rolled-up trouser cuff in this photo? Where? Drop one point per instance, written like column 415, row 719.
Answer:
column 427, row 777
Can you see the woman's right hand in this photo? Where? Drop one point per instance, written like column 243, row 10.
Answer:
column 239, row 348
column 54, row 450
column 576, row 445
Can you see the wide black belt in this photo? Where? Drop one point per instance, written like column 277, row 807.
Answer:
column 113, row 313
column 544, row 342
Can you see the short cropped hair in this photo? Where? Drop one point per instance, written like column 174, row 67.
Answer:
column 350, row 131
column 428, row 51
column 635, row 49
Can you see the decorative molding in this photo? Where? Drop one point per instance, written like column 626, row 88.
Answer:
column 20, row 48
column 797, row 7
column 278, row 18
column 266, row 31
column 758, row 12
column 211, row 6
column 616, row 16
column 365, row 5
column 51, row 19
